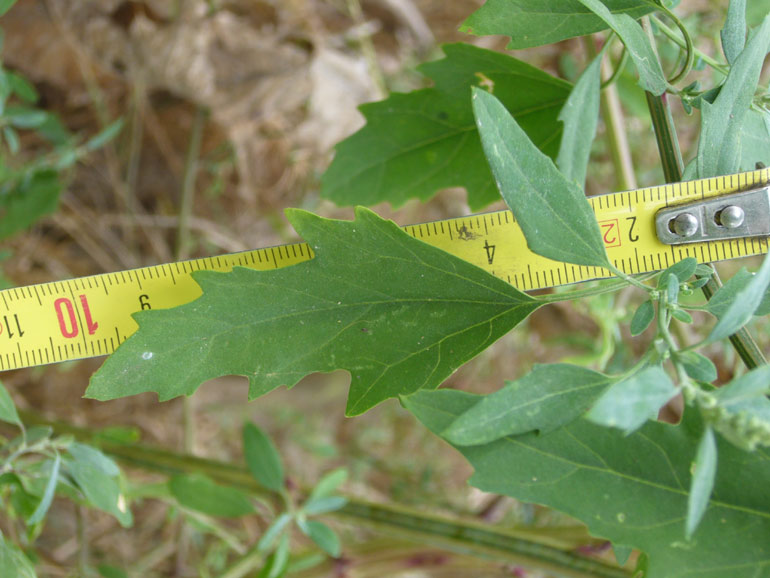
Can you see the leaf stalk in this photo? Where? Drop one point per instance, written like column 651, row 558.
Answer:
column 671, row 157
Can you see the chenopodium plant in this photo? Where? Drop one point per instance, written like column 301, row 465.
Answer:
column 203, row 501
column 30, row 186
column 400, row 316
column 34, row 466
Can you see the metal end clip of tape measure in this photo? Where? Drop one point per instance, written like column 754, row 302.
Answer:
column 643, row 230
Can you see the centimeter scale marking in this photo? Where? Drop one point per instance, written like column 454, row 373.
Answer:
column 91, row 316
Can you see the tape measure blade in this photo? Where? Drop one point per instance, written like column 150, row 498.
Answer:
column 91, row 316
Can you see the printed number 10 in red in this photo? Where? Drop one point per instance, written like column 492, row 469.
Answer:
column 68, row 320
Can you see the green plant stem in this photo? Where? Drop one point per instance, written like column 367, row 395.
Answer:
column 182, row 252
column 82, row 534
column 608, row 287
column 612, row 114
column 742, row 341
column 188, row 183
column 665, row 135
column 367, row 48
column 686, row 42
column 183, row 241
column 509, row 545
column 671, row 157
column 245, row 565
column 674, row 37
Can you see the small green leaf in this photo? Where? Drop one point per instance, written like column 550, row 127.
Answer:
column 671, row 285
column 552, row 212
column 278, row 561
column 322, row 535
column 262, row 458
column 94, row 458
column 756, row 10
column 704, row 471
column 108, row 571
column 416, row 144
column 744, row 303
column 683, row 269
column 681, row 315
column 580, row 116
column 733, row 34
column 106, row 135
column 698, row 283
column 22, row 87
column 11, row 139
column 13, row 562
column 315, row 506
column 642, row 318
column 722, row 122
column 10, row 479
column 726, row 295
column 36, row 195
column 697, row 366
column 199, row 493
column 273, row 531
column 703, row 270
column 755, row 140
column 545, row 399
column 24, row 117
column 744, row 389
column 8, row 411
column 398, row 314
column 721, row 300
column 100, row 490
column 630, row 402
column 54, row 131
column 6, row 5
column 48, row 494
column 748, row 409
column 622, row 553
column 329, row 483
column 531, row 23
column 637, row 44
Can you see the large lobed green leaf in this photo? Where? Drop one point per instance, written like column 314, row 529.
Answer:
column 534, row 23
column 418, row 143
column 632, row 489
column 398, row 314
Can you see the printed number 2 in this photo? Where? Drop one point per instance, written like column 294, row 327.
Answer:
column 68, row 321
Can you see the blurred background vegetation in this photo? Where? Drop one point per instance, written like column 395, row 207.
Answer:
column 230, row 111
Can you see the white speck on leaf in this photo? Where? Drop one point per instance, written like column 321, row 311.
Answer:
column 147, row 355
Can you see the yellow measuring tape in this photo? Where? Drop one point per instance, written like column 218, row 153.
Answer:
column 91, row 316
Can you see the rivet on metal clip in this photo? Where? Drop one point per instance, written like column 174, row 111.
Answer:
column 745, row 214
